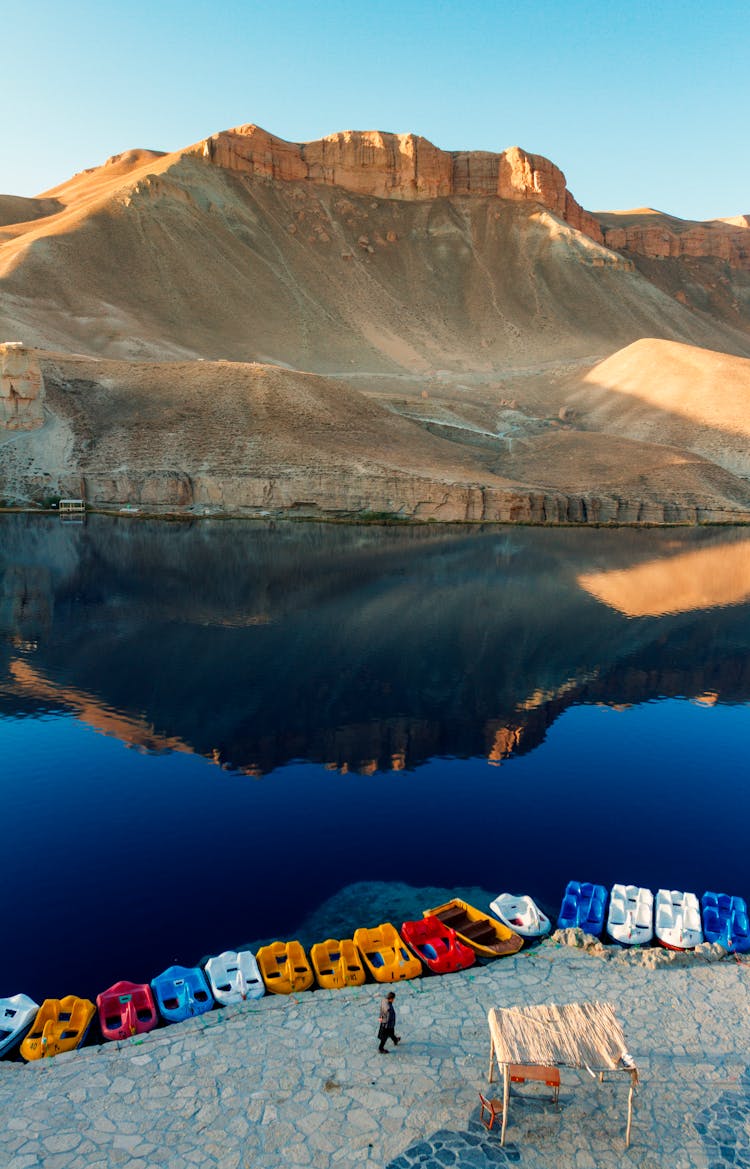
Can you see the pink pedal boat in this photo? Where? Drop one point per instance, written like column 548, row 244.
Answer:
column 126, row 1009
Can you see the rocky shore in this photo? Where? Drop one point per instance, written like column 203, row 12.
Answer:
column 298, row 1081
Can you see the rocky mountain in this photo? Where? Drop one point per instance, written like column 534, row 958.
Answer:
column 368, row 322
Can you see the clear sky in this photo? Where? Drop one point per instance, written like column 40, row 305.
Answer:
column 641, row 103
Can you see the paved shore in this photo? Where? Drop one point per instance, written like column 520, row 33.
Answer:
column 298, row 1082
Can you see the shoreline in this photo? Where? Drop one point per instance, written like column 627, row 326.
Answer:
column 298, row 1079
column 378, row 519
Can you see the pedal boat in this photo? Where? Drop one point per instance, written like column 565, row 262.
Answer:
column 630, row 920
column 285, row 967
column 385, row 953
column 17, row 1013
column 487, row 936
column 725, row 921
column 126, row 1009
column 437, row 945
column 583, row 907
column 337, row 964
column 60, row 1025
column 181, row 992
column 521, row 914
column 234, row 977
column 677, row 920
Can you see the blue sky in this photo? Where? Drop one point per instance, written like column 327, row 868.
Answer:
column 638, row 103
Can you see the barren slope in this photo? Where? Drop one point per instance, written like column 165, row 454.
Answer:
column 676, row 395
column 163, row 256
column 458, row 306
column 236, row 437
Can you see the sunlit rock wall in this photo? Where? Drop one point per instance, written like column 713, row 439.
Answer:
column 21, row 388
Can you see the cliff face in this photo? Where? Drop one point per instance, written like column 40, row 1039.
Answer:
column 21, row 388
column 398, row 166
column 663, row 237
column 406, row 166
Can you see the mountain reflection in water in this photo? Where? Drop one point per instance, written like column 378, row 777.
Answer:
column 263, row 646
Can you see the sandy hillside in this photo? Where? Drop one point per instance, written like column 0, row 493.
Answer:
column 163, row 256
column 676, row 395
column 237, row 436
column 467, row 326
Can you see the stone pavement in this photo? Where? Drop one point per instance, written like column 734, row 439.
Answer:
column 297, row 1082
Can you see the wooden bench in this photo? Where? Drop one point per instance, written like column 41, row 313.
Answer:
column 520, row 1073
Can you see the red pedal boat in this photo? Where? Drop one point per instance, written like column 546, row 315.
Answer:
column 437, row 945
column 126, row 1009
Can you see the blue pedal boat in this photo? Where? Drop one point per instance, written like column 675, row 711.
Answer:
column 725, row 921
column 583, row 907
column 181, row 992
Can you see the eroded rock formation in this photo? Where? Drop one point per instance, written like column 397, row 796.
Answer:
column 21, row 388
column 398, row 166
column 661, row 237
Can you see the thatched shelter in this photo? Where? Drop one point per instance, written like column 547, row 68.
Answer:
column 575, row 1035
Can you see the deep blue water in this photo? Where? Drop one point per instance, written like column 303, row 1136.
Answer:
column 208, row 730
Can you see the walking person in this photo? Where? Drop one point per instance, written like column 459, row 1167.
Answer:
column 387, row 1029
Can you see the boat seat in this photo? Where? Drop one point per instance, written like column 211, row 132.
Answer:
column 478, row 929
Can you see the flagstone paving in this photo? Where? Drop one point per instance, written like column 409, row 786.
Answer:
column 298, row 1082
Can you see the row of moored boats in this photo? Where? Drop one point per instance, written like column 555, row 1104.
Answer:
column 447, row 938
column 632, row 916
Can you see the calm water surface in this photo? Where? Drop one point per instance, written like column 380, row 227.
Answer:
column 209, row 730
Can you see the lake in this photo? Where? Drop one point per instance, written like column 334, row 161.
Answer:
column 216, row 732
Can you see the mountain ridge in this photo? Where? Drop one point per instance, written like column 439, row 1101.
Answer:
column 458, row 292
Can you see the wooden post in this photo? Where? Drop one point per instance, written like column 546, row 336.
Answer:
column 506, row 1097
column 630, row 1110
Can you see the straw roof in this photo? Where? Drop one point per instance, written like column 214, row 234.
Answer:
column 578, row 1035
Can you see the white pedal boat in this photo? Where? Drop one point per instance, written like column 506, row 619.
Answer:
column 630, row 920
column 521, row 914
column 17, row 1013
column 677, row 920
column 234, row 976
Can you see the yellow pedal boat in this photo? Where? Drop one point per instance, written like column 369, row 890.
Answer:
column 386, row 954
column 486, row 935
column 60, row 1025
column 284, row 967
column 337, row 964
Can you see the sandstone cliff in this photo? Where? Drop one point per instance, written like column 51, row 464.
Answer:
column 658, row 236
column 398, row 166
column 21, row 388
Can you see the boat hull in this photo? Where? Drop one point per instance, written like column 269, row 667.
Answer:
column 181, row 992
column 385, row 954
column 725, row 921
column 60, row 1025
column 126, row 1009
column 437, row 945
column 285, row 968
column 486, row 936
column 234, row 977
column 17, row 1013
column 337, row 963
column 677, row 920
column 583, row 907
column 521, row 914
column 630, row 921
